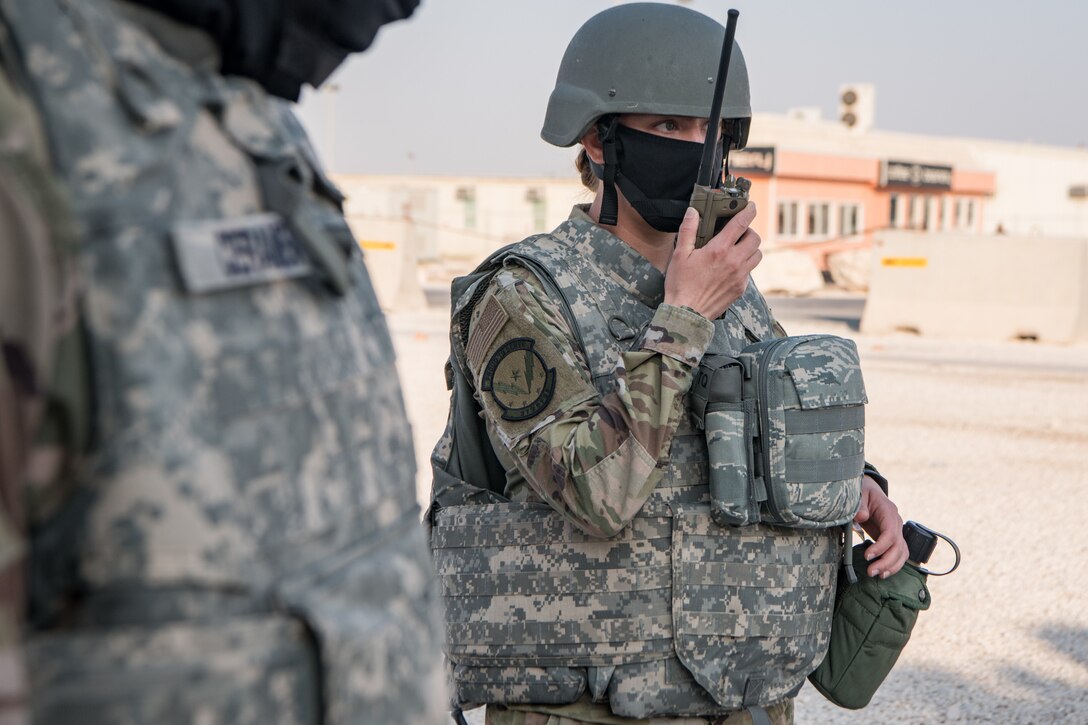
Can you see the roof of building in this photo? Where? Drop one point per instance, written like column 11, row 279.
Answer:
column 822, row 136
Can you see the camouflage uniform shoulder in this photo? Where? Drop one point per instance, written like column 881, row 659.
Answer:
column 34, row 220
column 34, row 302
column 515, row 290
column 522, row 267
column 502, row 269
column 39, row 314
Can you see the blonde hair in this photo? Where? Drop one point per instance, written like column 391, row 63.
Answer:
column 585, row 171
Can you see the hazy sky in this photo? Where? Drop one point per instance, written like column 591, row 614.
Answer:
column 461, row 87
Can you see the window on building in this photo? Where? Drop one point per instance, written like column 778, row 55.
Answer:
column 894, row 211
column 467, row 196
column 849, row 220
column 470, row 213
column 787, row 218
column 970, row 223
column 818, row 220
column 535, row 197
column 914, row 215
column 927, row 216
column 942, row 213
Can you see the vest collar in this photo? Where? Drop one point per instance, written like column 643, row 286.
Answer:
column 629, row 268
column 634, row 273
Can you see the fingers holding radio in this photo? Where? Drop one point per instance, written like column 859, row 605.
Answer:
column 710, row 279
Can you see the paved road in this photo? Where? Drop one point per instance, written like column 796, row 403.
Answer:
column 843, row 310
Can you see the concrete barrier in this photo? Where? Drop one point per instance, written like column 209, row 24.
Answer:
column 850, row 268
column 969, row 286
column 788, row 272
column 392, row 261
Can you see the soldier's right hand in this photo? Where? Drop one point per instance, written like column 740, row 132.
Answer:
column 710, row 279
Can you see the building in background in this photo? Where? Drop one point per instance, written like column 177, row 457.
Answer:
column 455, row 217
column 824, row 188
column 428, row 229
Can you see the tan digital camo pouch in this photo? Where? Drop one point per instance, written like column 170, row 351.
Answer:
column 785, row 431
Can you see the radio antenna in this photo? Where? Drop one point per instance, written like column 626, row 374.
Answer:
column 706, row 173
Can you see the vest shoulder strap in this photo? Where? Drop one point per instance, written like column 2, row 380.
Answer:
column 464, row 465
column 590, row 304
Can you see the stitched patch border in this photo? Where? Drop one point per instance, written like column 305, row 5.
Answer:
column 532, row 364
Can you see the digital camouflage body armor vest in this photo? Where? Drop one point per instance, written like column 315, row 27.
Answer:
column 675, row 616
column 241, row 541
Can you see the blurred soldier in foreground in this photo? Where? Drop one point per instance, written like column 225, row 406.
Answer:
column 220, row 506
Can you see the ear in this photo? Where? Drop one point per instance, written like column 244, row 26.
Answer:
column 592, row 144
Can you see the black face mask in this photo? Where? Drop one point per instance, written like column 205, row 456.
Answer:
column 656, row 174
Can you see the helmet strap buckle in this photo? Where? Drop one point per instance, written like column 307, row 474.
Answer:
column 606, row 132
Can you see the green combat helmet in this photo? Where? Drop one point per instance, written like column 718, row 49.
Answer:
column 644, row 58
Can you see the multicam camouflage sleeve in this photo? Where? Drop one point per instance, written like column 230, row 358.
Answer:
column 595, row 458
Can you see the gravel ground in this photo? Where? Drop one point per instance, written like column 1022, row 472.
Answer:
column 987, row 442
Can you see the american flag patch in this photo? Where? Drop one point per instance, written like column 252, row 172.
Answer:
column 492, row 318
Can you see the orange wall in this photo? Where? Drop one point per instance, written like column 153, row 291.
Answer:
column 973, row 182
column 830, row 168
column 765, row 212
column 816, row 178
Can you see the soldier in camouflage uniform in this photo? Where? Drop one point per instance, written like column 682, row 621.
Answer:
column 580, row 346
column 220, row 510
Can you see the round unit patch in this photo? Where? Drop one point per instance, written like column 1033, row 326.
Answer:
column 518, row 380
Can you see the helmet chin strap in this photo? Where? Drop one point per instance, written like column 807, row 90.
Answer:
column 606, row 132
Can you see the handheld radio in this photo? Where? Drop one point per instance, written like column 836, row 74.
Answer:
column 716, row 206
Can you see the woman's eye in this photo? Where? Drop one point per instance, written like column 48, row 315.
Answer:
column 669, row 125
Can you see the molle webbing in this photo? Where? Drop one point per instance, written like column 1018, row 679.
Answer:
column 750, row 605
column 526, row 593
column 824, row 420
column 523, row 586
column 675, row 616
column 464, row 317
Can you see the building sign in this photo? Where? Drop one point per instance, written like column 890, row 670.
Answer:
column 752, row 160
column 919, row 176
